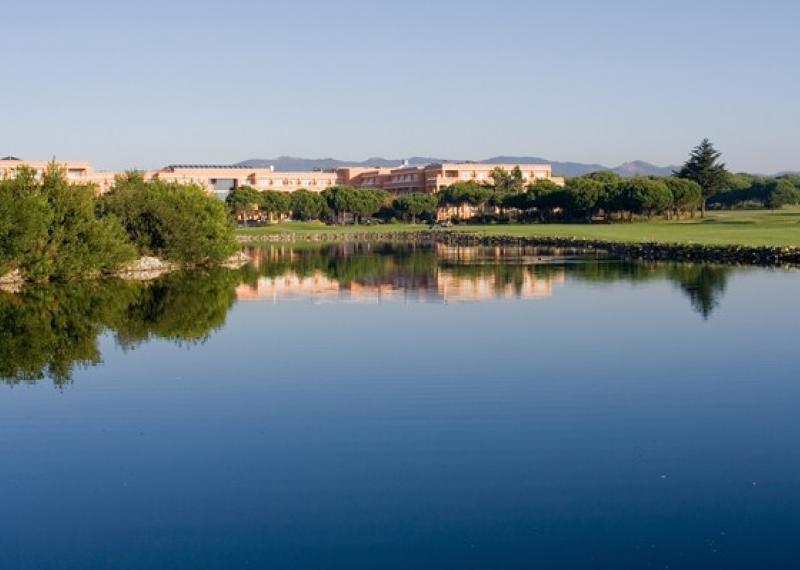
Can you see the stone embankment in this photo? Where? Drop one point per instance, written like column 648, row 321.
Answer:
column 735, row 254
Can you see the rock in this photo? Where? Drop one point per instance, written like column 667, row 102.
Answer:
column 11, row 278
column 12, row 281
column 145, row 268
column 236, row 261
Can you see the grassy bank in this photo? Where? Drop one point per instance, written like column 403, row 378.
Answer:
column 751, row 228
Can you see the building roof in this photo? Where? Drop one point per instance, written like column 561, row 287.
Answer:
column 231, row 166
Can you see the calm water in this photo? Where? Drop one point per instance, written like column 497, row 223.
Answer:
column 378, row 407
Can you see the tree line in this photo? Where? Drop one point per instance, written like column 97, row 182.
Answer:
column 703, row 181
column 52, row 229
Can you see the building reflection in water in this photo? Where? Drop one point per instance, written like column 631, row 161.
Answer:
column 401, row 273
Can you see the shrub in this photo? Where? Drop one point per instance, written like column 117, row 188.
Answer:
column 50, row 229
column 180, row 223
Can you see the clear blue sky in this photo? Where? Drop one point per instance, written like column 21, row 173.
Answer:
column 141, row 84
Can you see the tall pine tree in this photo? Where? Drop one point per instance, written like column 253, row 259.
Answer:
column 704, row 168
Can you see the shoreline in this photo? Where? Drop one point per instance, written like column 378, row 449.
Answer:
column 145, row 268
column 648, row 251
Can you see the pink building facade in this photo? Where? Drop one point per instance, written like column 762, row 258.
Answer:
column 433, row 177
column 77, row 172
column 221, row 179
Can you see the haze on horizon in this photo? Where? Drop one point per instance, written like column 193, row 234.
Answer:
column 142, row 84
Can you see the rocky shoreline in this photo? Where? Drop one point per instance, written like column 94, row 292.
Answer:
column 728, row 254
column 141, row 269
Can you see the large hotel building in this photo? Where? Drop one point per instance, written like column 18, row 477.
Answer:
column 220, row 179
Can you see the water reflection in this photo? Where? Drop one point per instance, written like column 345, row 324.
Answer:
column 370, row 273
column 366, row 273
column 48, row 330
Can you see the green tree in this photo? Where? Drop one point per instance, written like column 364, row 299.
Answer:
column 585, row 195
column 243, row 201
column 275, row 203
column 686, row 194
column 181, row 223
column 307, row 205
column 367, row 201
column 460, row 193
column 506, row 182
column 603, row 176
column 416, row 205
column 25, row 217
column 341, row 200
column 781, row 192
column 705, row 168
column 643, row 196
column 59, row 233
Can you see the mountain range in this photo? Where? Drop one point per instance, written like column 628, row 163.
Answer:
column 292, row 163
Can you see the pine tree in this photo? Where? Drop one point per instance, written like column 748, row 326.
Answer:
column 704, row 168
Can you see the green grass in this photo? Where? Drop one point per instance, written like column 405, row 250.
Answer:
column 751, row 227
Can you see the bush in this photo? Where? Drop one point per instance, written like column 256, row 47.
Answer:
column 180, row 223
column 50, row 229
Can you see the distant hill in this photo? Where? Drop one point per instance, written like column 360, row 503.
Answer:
column 634, row 168
column 289, row 163
column 641, row 168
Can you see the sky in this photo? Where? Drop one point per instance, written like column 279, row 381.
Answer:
column 143, row 84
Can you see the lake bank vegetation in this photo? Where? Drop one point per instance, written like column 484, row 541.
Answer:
column 595, row 198
column 52, row 229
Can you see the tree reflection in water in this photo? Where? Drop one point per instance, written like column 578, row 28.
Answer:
column 48, row 330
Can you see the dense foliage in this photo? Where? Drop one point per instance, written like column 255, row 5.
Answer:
column 358, row 203
column 746, row 190
column 50, row 229
column 414, row 206
column 177, row 222
column 306, row 205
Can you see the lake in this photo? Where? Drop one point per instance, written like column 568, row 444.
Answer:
column 379, row 406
